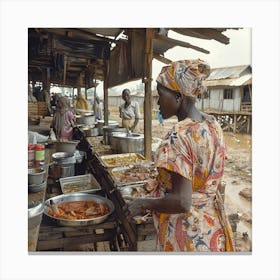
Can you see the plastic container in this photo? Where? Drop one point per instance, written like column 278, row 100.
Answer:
column 31, row 155
column 39, row 154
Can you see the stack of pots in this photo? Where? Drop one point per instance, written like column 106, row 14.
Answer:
column 63, row 165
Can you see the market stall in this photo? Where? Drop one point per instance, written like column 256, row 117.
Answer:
column 115, row 177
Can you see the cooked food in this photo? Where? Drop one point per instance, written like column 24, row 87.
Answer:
column 77, row 187
column 122, row 160
column 78, row 210
column 135, row 174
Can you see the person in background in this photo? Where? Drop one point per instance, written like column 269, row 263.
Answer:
column 160, row 118
column 63, row 120
column 188, row 210
column 99, row 108
column 81, row 104
column 129, row 112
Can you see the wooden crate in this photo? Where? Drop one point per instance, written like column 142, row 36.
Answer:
column 42, row 108
column 32, row 109
column 37, row 109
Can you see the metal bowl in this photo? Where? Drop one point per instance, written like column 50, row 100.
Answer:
column 35, row 211
column 78, row 197
column 66, row 146
column 37, row 187
column 36, row 176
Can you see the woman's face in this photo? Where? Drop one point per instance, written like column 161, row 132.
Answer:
column 168, row 104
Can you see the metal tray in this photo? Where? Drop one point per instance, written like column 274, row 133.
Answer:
column 130, row 192
column 78, row 197
column 83, row 183
column 117, row 180
column 111, row 161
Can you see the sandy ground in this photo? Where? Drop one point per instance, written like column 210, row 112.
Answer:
column 238, row 178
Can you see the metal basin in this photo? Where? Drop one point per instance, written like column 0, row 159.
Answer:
column 88, row 120
column 66, row 146
column 79, row 197
column 35, row 211
column 128, row 143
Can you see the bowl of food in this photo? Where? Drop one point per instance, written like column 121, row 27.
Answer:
column 78, row 209
column 36, row 176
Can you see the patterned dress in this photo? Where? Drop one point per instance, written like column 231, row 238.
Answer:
column 196, row 151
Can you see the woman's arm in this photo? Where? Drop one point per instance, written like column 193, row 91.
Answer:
column 178, row 201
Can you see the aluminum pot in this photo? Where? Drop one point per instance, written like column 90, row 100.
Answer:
column 36, row 176
column 85, row 119
column 128, row 143
column 78, row 197
column 64, row 165
column 90, row 131
column 107, row 133
column 100, row 124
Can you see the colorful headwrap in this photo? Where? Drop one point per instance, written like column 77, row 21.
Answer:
column 185, row 76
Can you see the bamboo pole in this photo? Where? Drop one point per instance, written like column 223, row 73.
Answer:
column 148, row 94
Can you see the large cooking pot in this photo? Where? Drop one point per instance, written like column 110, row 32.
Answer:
column 107, row 133
column 85, row 119
column 100, row 124
column 78, row 197
column 90, row 131
column 127, row 143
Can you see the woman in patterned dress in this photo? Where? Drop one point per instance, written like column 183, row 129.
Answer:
column 188, row 211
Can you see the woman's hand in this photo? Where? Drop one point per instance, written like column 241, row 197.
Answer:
column 134, row 208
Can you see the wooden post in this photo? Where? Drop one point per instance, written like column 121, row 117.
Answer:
column 64, row 69
column 234, row 123
column 105, row 89
column 248, row 124
column 148, row 94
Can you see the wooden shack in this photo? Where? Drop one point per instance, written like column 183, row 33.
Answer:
column 229, row 97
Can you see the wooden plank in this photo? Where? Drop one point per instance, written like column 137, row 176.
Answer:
column 64, row 242
column 180, row 43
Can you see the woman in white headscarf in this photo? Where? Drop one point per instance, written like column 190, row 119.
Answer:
column 188, row 211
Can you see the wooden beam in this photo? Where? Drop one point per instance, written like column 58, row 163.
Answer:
column 180, row 43
column 148, row 94
column 162, row 59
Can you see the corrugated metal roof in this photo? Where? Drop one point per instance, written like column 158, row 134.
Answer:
column 227, row 72
column 243, row 80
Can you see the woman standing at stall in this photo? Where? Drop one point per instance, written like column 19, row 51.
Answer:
column 188, row 211
column 63, row 120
